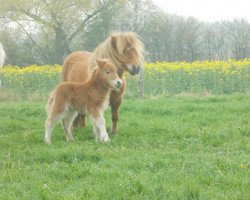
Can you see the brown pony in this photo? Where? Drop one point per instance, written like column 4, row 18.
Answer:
column 123, row 49
column 91, row 97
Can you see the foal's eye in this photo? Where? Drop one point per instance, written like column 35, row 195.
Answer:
column 107, row 72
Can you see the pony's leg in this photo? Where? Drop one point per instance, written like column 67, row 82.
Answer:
column 79, row 121
column 115, row 103
column 115, row 114
column 83, row 121
column 67, row 125
column 99, row 124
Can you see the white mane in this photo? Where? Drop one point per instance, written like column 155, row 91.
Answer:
column 2, row 55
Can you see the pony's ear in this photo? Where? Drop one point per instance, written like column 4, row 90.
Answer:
column 113, row 40
column 101, row 63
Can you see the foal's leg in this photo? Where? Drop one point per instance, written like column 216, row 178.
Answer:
column 99, row 126
column 95, row 129
column 55, row 114
column 67, row 125
column 50, row 123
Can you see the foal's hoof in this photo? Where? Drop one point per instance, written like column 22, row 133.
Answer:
column 104, row 139
column 47, row 141
column 70, row 139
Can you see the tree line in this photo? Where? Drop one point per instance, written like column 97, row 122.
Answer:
column 44, row 32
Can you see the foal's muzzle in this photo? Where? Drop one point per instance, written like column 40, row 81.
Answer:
column 133, row 69
column 117, row 84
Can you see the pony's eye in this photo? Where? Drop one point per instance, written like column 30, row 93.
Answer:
column 107, row 72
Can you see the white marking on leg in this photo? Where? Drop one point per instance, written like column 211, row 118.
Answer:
column 100, row 125
column 95, row 129
column 49, row 125
column 48, row 131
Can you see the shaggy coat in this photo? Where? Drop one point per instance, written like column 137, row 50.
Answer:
column 124, row 50
column 91, row 97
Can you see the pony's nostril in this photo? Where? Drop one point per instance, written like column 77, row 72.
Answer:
column 135, row 69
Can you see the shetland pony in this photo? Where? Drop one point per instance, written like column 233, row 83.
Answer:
column 123, row 49
column 91, row 97
column 2, row 55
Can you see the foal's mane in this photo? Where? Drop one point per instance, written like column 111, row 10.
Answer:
column 115, row 53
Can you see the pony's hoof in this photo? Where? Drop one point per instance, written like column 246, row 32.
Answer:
column 114, row 131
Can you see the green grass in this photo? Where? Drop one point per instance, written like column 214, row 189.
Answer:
column 167, row 148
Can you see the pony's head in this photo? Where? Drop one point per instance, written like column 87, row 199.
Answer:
column 127, row 49
column 109, row 73
column 124, row 50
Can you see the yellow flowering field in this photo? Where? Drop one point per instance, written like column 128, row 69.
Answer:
column 217, row 77
column 226, row 67
column 30, row 80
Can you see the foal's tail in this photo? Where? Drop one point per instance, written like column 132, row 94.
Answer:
column 50, row 102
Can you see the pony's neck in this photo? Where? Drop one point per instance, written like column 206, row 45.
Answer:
column 98, row 82
column 104, row 51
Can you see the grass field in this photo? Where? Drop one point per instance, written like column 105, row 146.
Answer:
column 167, row 148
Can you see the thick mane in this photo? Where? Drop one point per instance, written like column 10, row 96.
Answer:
column 115, row 52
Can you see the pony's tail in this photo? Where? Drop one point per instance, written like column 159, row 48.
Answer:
column 50, row 102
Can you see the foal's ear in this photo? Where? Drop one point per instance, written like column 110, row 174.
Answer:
column 113, row 40
column 101, row 62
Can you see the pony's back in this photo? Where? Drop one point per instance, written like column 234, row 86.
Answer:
column 2, row 55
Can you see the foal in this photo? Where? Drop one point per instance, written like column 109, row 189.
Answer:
column 70, row 98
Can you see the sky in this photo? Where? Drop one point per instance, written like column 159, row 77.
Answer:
column 208, row 10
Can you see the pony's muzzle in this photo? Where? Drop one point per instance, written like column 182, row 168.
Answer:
column 134, row 70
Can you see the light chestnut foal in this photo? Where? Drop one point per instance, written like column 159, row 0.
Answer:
column 70, row 98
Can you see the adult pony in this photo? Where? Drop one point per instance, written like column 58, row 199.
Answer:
column 123, row 49
column 2, row 55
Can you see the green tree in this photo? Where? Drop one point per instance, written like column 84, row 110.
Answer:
column 52, row 23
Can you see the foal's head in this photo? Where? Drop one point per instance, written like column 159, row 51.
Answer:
column 109, row 74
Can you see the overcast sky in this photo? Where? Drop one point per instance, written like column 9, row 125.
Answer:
column 208, row 10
